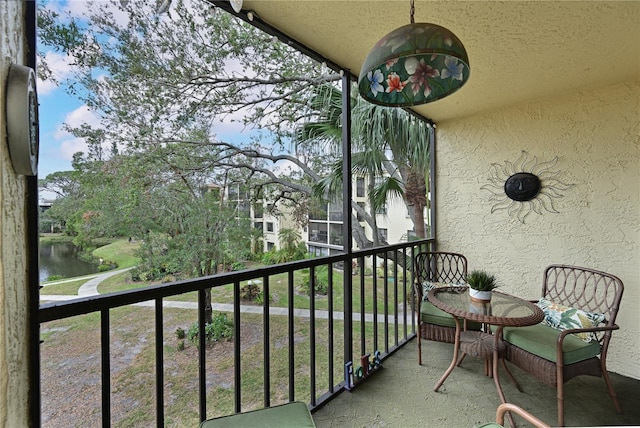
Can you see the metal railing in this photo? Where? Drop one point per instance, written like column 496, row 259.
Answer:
column 367, row 308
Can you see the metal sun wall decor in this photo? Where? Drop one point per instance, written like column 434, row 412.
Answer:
column 525, row 186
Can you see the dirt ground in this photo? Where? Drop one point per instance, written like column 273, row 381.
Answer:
column 71, row 370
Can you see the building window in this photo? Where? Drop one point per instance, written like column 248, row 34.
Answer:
column 317, row 211
column 318, row 232
column 270, row 246
column 384, row 234
column 335, row 234
column 258, row 225
column 335, row 211
column 318, row 251
column 382, row 209
column 269, row 226
column 360, row 187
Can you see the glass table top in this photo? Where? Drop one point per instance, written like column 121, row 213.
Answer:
column 503, row 309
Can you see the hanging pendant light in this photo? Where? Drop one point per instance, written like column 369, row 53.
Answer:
column 414, row 64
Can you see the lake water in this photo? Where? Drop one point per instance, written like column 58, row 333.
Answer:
column 60, row 258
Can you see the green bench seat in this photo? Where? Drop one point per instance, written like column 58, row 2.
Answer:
column 290, row 415
column 431, row 315
column 541, row 340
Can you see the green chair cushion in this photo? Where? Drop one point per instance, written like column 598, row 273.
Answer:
column 431, row 315
column 541, row 340
column 290, row 415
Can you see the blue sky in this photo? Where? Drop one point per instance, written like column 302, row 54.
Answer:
column 57, row 108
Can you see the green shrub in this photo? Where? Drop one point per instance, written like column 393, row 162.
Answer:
column 221, row 328
column 250, row 292
column 236, row 266
column 180, row 333
column 321, row 281
column 54, row 278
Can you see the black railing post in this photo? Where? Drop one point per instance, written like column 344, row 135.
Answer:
column 330, row 321
column 237, row 372
column 312, row 333
column 265, row 337
column 346, row 209
column 363, row 319
column 385, row 287
column 395, row 297
column 159, row 365
column 432, row 187
column 202, row 352
column 290, row 314
column 105, row 358
column 374, row 297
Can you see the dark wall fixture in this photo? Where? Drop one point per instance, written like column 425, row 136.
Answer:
column 522, row 186
column 525, row 186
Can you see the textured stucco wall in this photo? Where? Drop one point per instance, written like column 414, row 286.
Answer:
column 13, row 289
column 595, row 136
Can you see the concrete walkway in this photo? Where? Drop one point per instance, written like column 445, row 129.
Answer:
column 90, row 288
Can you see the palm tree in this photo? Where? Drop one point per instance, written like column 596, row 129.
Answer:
column 391, row 149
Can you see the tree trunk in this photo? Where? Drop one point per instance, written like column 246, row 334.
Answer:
column 416, row 197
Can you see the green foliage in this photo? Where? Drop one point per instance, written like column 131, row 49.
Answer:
column 250, row 291
column 221, row 328
column 180, row 333
column 236, row 266
column 481, row 280
column 253, row 292
column 292, row 248
column 54, row 278
column 390, row 270
column 321, row 281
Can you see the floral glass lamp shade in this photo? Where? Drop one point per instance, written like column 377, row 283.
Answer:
column 414, row 64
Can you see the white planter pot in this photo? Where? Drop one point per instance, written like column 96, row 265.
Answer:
column 483, row 308
column 479, row 296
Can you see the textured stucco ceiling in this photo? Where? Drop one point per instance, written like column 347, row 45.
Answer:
column 518, row 51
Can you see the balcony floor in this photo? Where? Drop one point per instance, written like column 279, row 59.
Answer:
column 401, row 395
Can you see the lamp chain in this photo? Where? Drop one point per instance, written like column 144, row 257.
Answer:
column 412, row 10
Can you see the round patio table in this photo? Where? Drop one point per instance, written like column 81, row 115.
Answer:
column 503, row 310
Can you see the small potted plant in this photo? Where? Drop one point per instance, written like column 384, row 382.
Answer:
column 480, row 285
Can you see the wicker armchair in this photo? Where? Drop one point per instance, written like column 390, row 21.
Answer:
column 555, row 356
column 442, row 267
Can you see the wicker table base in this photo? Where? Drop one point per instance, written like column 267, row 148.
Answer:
column 481, row 345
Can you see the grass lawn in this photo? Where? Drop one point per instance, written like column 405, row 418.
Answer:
column 121, row 252
column 64, row 288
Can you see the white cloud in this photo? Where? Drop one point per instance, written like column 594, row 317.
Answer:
column 285, row 167
column 60, row 67
column 82, row 115
column 71, row 146
column 68, row 143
